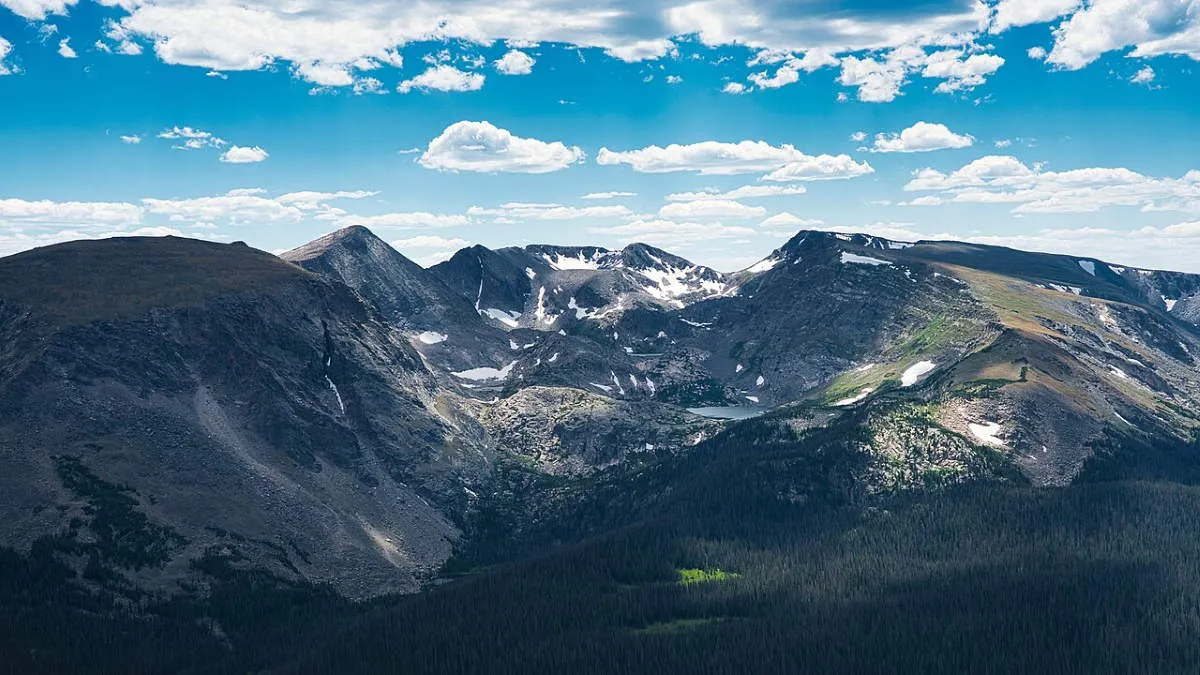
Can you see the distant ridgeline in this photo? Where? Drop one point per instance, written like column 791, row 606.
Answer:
column 856, row 455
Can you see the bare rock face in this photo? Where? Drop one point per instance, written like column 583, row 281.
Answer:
column 343, row 415
column 572, row 432
column 257, row 414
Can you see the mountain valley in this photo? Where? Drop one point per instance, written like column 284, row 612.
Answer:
column 371, row 448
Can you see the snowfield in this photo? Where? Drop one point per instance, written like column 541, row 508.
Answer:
column 432, row 338
column 916, row 373
column 486, row 374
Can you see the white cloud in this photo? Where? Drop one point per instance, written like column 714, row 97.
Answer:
column 193, row 139
column 430, row 241
column 133, row 139
column 483, row 147
column 743, row 192
column 821, row 167
column 37, row 10
column 1016, row 13
column 5, row 50
column 69, row 213
column 239, row 207
column 880, row 78
column 734, row 88
column 608, row 195
column 1151, row 27
column 709, row 209
column 427, row 250
column 788, row 220
column 927, row 200
column 858, row 136
column 1144, row 76
column 921, row 137
column 244, row 155
column 403, row 221
column 960, row 71
column 64, row 49
column 669, row 233
column 518, row 211
column 789, row 71
column 714, row 158
column 1036, row 53
column 515, row 62
column 998, row 179
column 443, row 78
column 1003, row 143
column 674, row 79
column 877, row 81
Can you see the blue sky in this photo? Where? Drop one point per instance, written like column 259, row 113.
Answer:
column 714, row 128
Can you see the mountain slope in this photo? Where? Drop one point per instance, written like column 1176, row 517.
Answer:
column 216, row 402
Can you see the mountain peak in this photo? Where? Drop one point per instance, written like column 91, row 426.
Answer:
column 355, row 235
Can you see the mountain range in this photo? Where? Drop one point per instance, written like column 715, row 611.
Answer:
column 178, row 416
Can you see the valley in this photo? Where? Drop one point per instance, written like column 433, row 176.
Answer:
column 229, row 461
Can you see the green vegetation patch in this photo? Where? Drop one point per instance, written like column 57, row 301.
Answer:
column 696, row 575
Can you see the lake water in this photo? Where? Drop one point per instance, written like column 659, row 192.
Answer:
column 732, row 412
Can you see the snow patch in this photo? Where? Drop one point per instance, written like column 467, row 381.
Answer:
column 760, row 381
column 432, row 338
column 862, row 396
column 752, row 399
column 916, row 372
column 1169, row 303
column 739, row 368
column 336, row 393
column 856, row 259
column 508, row 319
column 1088, row 266
column 765, row 265
column 988, row 433
column 580, row 262
column 485, row 374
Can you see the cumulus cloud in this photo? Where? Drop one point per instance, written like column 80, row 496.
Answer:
column 734, row 88
column 244, row 155
column 668, row 233
column 486, row 148
column 192, row 139
column 879, row 79
column 64, row 49
column 1144, row 76
column 1150, row 27
column 37, row 10
column 959, row 70
column 821, row 167
column 788, row 220
column 1015, row 13
column 5, row 50
column 428, row 250
column 515, row 62
column 132, row 139
column 608, row 195
column 69, row 213
column 791, row 67
column 443, row 78
column 709, row 209
column 743, row 192
column 723, row 159
column 999, row 179
column 921, row 137
column 413, row 220
column 518, row 211
column 252, row 206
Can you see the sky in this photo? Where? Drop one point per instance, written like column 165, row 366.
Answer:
column 713, row 128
